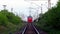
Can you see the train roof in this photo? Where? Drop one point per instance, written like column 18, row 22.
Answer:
column 29, row 16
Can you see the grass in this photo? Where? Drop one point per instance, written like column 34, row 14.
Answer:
column 48, row 29
column 10, row 28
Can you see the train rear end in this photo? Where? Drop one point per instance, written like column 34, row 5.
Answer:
column 29, row 19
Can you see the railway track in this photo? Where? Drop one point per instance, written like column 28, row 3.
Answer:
column 30, row 29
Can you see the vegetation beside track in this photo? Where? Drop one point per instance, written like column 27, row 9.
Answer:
column 50, row 21
column 9, row 22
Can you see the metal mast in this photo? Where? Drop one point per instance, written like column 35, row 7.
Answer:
column 4, row 6
column 11, row 9
column 41, row 8
column 49, row 4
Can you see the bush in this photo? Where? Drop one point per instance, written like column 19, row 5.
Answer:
column 3, row 19
column 9, row 21
column 50, row 21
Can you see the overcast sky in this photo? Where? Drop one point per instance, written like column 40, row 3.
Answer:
column 21, row 7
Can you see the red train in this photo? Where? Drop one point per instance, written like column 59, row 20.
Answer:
column 29, row 19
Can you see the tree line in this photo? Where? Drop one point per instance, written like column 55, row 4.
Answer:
column 9, row 21
column 50, row 21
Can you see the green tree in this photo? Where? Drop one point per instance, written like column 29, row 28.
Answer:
column 3, row 19
column 50, row 21
column 11, row 17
